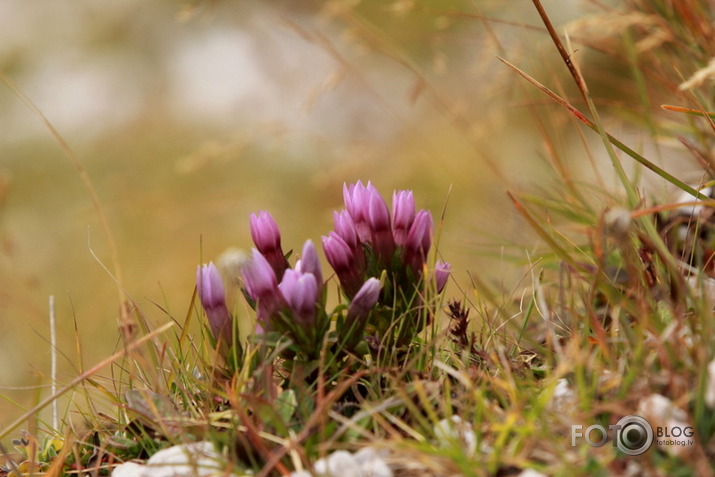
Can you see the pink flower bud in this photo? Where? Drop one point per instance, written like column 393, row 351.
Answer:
column 262, row 286
column 419, row 240
column 300, row 291
column 380, row 230
column 345, row 228
column 356, row 199
column 362, row 302
column 267, row 238
column 211, row 292
column 310, row 263
column 258, row 276
column 346, row 267
column 378, row 214
column 337, row 252
column 403, row 214
column 265, row 232
column 441, row 274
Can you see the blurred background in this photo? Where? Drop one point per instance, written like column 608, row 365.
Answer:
column 187, row 117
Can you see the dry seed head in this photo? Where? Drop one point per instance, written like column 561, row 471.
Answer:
column 618, row 221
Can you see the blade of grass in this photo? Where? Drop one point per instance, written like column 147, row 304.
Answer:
column 125, row 318
column 681, row 109
column 581, row 84
column 82, row 377
column 563, row 254
column 612, row 140
column 639, row 80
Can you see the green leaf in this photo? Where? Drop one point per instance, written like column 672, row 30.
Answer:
column 286, row 403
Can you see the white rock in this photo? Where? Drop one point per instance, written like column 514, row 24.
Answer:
column 372, row 462
column 454, row 429
column 563, row 399
column 197, row 459
column 710, row 386
column 695, row 206
column 338, row 464
column 128, row 469
column 702, row 287
column 660, row 411
column 301, row 473
column 530, row 473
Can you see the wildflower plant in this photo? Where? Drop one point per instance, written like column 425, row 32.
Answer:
column 369, row 240
column 380, row 259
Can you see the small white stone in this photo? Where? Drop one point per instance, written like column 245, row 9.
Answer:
column 660, row 411
column 128, row 469
column 710, row 386
column 372, row 462
column 530, row 473
column 702, row 287
column 198, row 459
column 338, row 464
column 564, row 398
column 454, row 429
column 686, row 198
column 301, row 473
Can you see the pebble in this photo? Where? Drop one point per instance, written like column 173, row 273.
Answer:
column 367, row 462
column 660, row 411
column 710, row 386
column 197, row 459
column 454, row 429
column 200, row 459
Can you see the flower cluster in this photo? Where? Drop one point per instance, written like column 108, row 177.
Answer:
column 292, row 300
column 379, row 258
column 368, row 239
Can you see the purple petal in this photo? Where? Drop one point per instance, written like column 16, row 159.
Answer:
column 212, row 295
column 265, row 232
column 442, row 271
column 403, row 215
column 419, row 240
column 300, row 291
column 310, row 263
column 364, row 300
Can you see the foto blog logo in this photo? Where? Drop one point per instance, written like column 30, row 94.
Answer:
column 633, row 435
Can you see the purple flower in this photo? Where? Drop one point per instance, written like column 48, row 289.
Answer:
column 267, row 238
column 265, row 232
column 258, row 276
column 262, row 286
column 378, row 214
column 310, row 263
column 345, row 228
column 403, row 214
column 361, row 304
column 356, row 199
column 300, row 291
column 419, row 240
column 378, row 219
column 344, row 262
column 337, row 252
column 209, row 286
column 441, row 274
